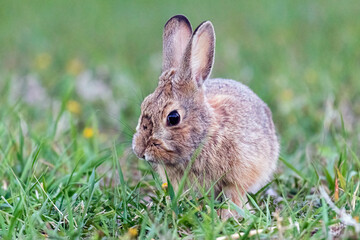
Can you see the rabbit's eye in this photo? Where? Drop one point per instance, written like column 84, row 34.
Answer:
column 173, row 118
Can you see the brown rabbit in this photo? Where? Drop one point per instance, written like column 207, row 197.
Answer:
column 230, row 125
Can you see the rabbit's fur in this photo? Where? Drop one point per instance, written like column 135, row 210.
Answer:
column 229, row 125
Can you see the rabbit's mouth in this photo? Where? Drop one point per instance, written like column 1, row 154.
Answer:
column 149, row 158
column 157, row 155
column 161, row 155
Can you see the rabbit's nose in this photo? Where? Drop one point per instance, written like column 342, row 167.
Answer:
column 139, row 152
column 138, row 147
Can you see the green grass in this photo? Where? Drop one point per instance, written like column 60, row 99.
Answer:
column 302, row 58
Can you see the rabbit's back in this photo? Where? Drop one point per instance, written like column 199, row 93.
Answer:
column 245, row 105
column 243, row 118
column 229, row 87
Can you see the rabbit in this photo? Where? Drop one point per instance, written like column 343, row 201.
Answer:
column 221, row 122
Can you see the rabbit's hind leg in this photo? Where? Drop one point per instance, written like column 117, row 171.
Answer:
column 238, row 196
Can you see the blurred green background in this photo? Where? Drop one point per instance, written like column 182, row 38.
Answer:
column 300, row 57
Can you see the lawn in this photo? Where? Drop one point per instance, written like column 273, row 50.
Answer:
column 73, row 76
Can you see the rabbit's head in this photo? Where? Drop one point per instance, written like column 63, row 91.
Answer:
column 176, row 118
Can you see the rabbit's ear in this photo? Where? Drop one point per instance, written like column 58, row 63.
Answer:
column 176, row 36
column 199, row 56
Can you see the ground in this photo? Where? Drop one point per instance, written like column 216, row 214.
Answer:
column 73, row 75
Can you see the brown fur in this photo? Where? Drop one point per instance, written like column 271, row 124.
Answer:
column 231, row 126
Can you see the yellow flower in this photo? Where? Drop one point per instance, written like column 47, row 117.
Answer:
column 73, row 107
column 88, row 132
column 164, row 185
column 287, row 95
column 42, row 61
column 133, row 232
column 74, row 67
